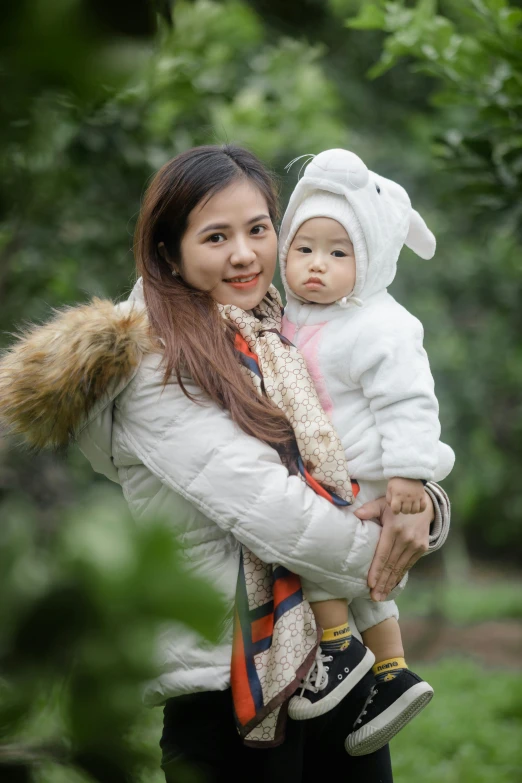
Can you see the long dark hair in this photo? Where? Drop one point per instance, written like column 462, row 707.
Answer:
column 197, row 341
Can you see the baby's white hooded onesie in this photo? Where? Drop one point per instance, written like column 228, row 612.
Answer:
column 365, row 352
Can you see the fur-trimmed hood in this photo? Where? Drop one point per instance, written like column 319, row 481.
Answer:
column 58, row 376
column 189, row 465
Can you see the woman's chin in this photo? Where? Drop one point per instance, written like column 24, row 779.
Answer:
column 246, row 299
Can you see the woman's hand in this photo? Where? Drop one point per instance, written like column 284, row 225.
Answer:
column 404, row 539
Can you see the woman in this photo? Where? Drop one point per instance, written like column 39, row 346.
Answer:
column 167, row 412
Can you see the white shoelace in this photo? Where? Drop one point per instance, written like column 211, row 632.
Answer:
column 367, row 703
column 317, row 678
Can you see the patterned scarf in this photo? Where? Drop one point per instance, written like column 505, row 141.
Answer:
column 275, row 633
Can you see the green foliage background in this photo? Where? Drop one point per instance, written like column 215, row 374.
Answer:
column 95, row 99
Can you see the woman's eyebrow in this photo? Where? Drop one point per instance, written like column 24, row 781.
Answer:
column 220, row 226
column 257, row 218
column 213, row 227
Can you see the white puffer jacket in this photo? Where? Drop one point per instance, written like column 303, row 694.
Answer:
column 365, row 354
column 182, row 461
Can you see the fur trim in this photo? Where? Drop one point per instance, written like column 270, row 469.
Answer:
column 54, row 374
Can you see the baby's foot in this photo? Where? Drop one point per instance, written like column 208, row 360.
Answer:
column 391, row 704
column 334, row 673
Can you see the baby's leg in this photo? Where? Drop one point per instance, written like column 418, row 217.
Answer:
column 341, row 661
column 331, row 614
column 399, row 694
column 378, row 622
column 385, row 642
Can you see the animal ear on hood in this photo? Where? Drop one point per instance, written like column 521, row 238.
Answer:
column 420, row 239
column 338, row 167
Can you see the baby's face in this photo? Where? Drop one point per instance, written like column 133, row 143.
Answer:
column 320, row 266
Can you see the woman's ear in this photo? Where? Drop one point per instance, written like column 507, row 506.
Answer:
column 420, row 239
column 162, row 250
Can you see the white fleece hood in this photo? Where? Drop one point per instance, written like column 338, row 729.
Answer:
column 379, row 218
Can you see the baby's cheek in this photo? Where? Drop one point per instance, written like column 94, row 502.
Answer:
column 290, row 272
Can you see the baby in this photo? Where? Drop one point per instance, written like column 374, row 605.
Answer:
column 340, row 240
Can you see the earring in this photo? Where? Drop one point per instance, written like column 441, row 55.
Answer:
column 175, row 273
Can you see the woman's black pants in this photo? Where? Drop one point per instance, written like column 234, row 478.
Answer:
column 199, row 734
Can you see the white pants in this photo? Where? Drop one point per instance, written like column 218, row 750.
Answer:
column 366, row 613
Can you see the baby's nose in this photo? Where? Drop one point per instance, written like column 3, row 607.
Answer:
column 317, row 261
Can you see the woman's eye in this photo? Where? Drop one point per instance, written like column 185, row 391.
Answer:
column 216, row 238
column 257, row 230
column 339, row 254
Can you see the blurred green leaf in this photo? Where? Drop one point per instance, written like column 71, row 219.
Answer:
column 93, row 103
column 369, row 17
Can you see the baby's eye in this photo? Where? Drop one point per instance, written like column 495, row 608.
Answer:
column 304, row 249
column 216, row 238
column 339, row 254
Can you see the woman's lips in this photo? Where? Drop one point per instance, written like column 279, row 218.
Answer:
column 244, row 283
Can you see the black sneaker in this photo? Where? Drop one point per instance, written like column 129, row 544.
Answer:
column 331, row 677
column 389, row 707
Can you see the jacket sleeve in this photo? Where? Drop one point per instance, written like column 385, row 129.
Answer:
column 240, row 484
column 441, row 524
column 390, row 364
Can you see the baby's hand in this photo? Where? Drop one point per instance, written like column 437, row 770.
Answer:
column 406, row 496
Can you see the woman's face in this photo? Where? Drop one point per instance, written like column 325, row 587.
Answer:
column 230, row 246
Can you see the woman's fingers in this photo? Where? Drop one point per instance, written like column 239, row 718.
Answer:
column 403, row 540
column 403, row 563
column 412, row 552
column 381, row 557
column 391, row 573
column 415, row 556
column 372, row 510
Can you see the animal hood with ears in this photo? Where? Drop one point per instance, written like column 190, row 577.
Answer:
column 381, row 206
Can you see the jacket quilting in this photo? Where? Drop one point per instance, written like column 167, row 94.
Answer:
column 191, row 465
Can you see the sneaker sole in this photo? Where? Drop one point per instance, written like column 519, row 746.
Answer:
column 300, row 708
column 385, row 726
